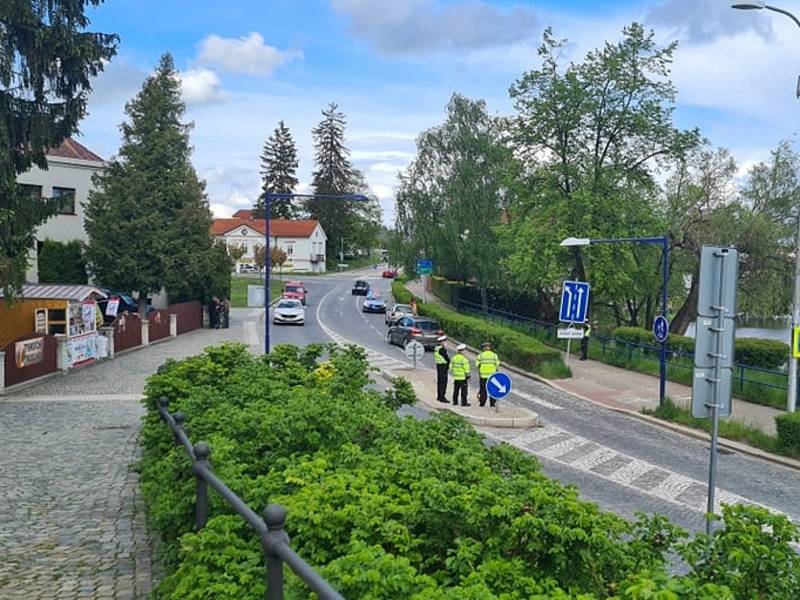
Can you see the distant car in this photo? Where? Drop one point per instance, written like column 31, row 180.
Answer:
column 397, row 311
column 389, row 274
column 360, row 288
column 296, row 291
column 248, row 268
column 289, row 311
column 421, row 329
column 373, row 303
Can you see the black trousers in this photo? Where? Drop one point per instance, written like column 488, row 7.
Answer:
column 441, row 382
column 460, row 386
column 584, row 347
column 482, row 395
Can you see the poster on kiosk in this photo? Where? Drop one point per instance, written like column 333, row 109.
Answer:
column 82, row 332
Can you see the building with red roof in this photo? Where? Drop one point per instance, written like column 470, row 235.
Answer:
column 71, row 167
column 303, row 240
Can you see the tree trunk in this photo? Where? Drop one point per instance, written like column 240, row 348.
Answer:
column 484, row 299
column 688, row 310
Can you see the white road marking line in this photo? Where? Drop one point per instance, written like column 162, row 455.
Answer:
column 561, row 447
column 250, row 332
column 591, row 460
column 537, row 400
column 673, row 486
column 627, row 473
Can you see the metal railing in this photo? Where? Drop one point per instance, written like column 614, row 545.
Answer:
column 274, row 540
column 744, row 375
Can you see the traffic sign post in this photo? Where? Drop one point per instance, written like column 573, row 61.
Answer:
column 498, row 386
column 714, row 348
column 415, row 351
column 425, row 269
column 574, row 302
column 661, row 329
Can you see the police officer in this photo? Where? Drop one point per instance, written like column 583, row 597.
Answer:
column 442, row 361
column 487, row 363
column 587, row 333
column 459, row 367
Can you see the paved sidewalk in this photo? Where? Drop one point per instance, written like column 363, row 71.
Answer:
column 620, row 388
column 72, row 521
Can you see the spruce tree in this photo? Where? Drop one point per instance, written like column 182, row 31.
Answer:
column 47, row 60
column 279, row 172
column 148, row 221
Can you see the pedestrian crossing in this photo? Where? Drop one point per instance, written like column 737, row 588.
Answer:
column 552, row 443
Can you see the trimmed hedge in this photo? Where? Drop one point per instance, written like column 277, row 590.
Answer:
column 514, row 347
column 62, row 262
column 753, row 352
column 788, row 426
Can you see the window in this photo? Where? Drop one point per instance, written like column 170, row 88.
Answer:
column 33, row 191
column 66, row 200
column 289, row 249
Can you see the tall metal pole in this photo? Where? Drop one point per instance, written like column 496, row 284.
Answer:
column 791, row 397
column 268, row 267
column 662, row 358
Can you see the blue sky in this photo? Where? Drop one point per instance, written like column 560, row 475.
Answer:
column 392, row 65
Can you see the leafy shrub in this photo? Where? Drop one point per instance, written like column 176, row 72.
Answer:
column 62, row 262
column 754, row 352
column 788, row 426
column 402, row 392
column 390, row 507
column 514, row 347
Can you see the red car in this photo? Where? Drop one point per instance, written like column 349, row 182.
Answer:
column 389, row 274
column 295, row 290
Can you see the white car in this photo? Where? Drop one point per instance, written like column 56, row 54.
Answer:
column 289, row 311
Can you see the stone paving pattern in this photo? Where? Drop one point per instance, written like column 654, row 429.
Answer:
column 72, row 523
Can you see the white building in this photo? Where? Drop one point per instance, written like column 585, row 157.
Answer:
column 303, row 240
column 69, row 177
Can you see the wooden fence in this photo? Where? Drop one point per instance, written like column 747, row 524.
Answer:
column 29, row 360
column 190, row 315
column 158, row 323
column 127, row 331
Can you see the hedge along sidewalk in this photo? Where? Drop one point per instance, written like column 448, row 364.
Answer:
column 619, row 388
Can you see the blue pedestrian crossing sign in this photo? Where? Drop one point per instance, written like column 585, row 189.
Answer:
column 661, row 328
column 574, row 302
column 498, row 385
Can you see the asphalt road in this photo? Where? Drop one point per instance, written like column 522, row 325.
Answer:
column 655, row 470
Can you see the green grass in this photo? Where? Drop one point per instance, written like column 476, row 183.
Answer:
column 728, row 428
column 239, row 290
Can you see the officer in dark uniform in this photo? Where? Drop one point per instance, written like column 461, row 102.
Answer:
column 442, row 361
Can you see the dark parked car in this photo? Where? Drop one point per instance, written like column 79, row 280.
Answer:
column 360, row 288
column 421, row 329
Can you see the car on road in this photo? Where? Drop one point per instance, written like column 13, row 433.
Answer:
column 409, row 328
column 295, row 290
column 360, row 288
column 289, row 311
column 389, row 274
column 397, row 311
column 248, row 268
column 373, row 303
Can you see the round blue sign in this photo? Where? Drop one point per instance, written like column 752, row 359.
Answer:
column 661, row 329
column 498, row 385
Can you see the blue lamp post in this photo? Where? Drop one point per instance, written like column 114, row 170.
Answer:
column 662, row 241
column 268, row 198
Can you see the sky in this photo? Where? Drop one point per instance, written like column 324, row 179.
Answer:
column 392, row 65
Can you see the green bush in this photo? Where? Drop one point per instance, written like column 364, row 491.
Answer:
column 788, row 426
column 753, row 352
column 512, row 346
column 62, row 262
column 391, row 507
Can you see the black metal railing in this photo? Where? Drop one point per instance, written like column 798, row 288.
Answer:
column 745, row 376
column 274, row 540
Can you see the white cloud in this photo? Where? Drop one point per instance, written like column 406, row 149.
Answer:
column 387, row 167
column 699, row 21
column 248, row 55
column 414, row 27
column 201, row 86
column 220, row 211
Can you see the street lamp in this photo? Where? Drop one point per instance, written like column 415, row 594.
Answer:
column 268, row 199
column 791, row 388
column 656, row 240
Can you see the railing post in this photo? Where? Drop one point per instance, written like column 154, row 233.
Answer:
column 275, row 518
column 180, row 419
column 201, row 452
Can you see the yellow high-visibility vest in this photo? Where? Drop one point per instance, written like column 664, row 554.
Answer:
column 437, row 357
column 487, row 363
column 459, row 367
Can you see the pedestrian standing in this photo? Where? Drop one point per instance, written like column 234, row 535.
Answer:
column 587, row 333
column 413, row 304
column 442, row 361
column 459, row 367
column 487, row 362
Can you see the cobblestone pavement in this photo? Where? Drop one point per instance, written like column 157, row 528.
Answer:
column 72, row 522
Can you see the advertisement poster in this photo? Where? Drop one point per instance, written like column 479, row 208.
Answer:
column 112, row 307
column 29, row 352
column 88, row 312
column 82, row 348
column 81, row 318
column 41, row 320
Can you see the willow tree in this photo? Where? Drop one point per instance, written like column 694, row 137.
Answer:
column 47, row 61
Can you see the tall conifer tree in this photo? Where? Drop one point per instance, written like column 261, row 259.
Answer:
column 279, row 172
